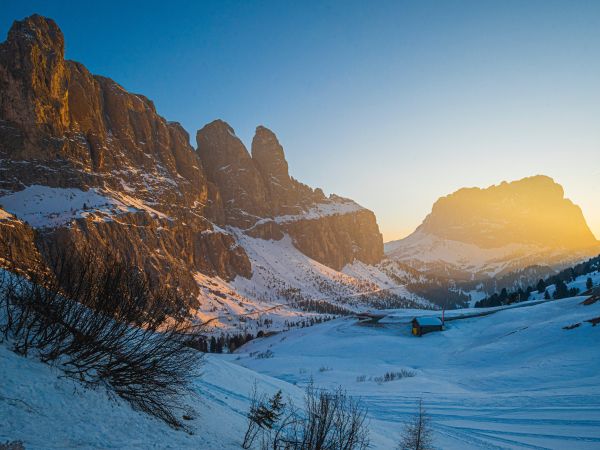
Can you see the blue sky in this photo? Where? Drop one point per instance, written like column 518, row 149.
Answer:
column 393, row 104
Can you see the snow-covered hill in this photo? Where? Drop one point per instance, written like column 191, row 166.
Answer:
column 289, row 287
column 47, row 411
column 521, row 378
column 514, row 379
column 427, row 252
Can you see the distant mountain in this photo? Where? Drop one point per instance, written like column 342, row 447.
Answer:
column 478, row 233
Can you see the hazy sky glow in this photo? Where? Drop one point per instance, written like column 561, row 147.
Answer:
column 393, row 104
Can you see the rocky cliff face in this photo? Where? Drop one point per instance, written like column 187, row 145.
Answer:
column 499, row 229
column 528, row 211
column 104, row 169
column 260, row 197
column 18, row 250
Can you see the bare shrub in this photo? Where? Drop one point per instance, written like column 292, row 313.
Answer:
column 417, row 433
column 264, row 355
column 12, row 445
column 392, row 376
column 103, row 322
column 329, row 420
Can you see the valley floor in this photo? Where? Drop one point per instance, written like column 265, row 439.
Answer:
column 515, row 379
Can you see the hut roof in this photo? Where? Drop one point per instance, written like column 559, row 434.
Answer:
column 428, row 321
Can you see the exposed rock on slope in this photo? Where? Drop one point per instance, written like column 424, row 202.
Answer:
column 286, row 195
column 495, row 230
column 86, row 162
column 18, row 251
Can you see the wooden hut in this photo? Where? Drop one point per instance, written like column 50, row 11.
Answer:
column 423, row 325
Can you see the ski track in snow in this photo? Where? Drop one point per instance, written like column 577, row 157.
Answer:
column 512, row 380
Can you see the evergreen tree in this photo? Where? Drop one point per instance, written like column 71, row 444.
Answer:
column 503, row 295
column 546, row 295
column 263, row 414
column 589, row 283
column 541, row 286
column 562, row 291
column 220, row 344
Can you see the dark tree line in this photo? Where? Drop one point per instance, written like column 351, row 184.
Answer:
column 222, row 343
column 441, row 293
column 559, row 281
column 231, row 342
column 320, row 307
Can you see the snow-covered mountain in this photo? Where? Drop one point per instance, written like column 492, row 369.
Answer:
column 479, row 233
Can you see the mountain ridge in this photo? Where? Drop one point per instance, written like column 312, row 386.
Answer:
column 86, row 163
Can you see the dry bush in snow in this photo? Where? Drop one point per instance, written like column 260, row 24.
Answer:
column 102, row 322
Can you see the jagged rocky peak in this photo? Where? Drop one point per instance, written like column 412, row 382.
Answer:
column 34, row 75
column 89, row 150
column 529, row 211
column 230, row 167
column 268, row 154
column 477, row 233
column 287, row 195
column 259, row 196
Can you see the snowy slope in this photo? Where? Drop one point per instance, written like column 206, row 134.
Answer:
column 44, row 206
column 424, row 249
column 284, row 281
column 47, row 411
column 514, row 379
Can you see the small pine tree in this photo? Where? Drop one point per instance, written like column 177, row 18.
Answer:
column 589, row 283
column 263, row 414
column 503, row 295
column 541, row 286
column 546, row 295
column 562, row 291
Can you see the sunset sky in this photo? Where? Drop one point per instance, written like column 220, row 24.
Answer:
column 392, row 104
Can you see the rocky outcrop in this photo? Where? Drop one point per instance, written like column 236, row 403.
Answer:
column 170, row 252
column 157, row 201
column 18, row 250
column 531, row 211
column 286, row 195
column 337, row 240
column 489, row 232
